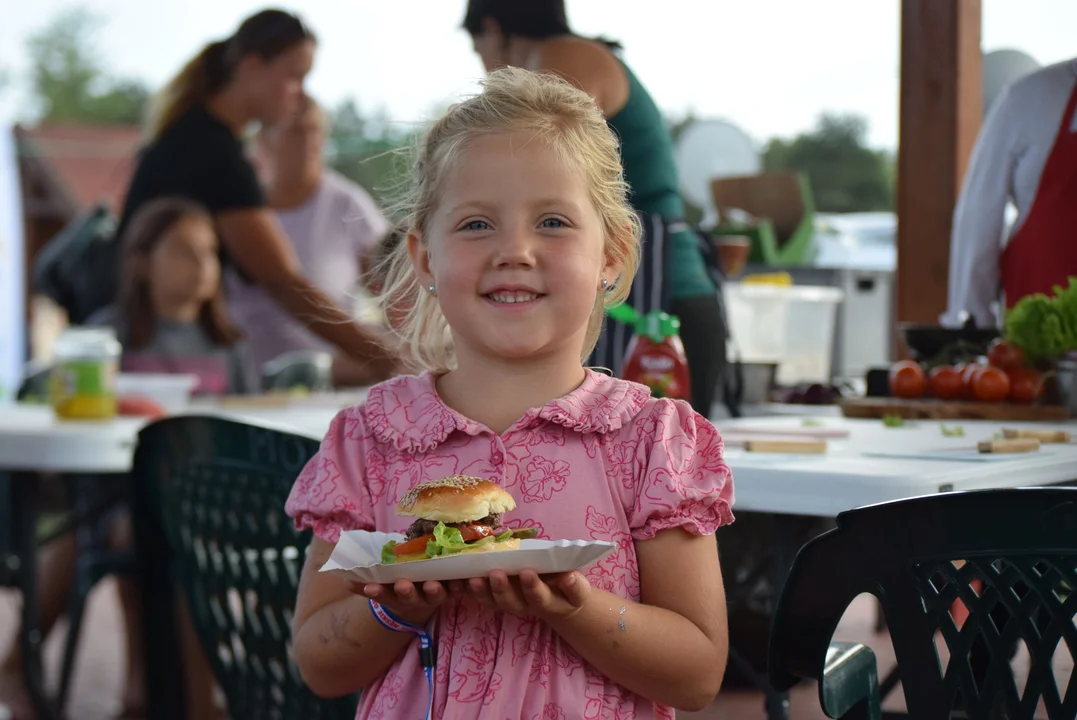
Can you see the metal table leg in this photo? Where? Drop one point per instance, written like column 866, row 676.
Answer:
column 783, row 548
column 21, row 561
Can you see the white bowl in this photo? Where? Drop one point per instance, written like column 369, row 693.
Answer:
column 171, row 392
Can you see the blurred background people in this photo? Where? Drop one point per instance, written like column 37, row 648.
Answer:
column 1026, row 154
column 195, row 151
column 673, row 275
column 332, row 224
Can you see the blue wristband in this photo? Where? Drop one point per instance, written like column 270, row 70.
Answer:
column 427, row 650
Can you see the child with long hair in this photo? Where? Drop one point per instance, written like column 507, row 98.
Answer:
column 520, row 236
column 170, row 315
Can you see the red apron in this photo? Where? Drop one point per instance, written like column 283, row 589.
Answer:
column 1043, row 252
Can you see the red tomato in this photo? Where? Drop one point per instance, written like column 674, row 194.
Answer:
column 138, row 406
column 470, row 533
column 1026, row 385
column 946, row 383
column 991, row 385
column 416, row 545
column 1005, row 355
column 907, row 380
column 968, row 373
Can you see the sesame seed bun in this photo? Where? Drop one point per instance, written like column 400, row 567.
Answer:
column 455, row 499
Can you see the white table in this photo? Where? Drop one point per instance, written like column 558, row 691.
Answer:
column 31, row 439
column 845, row 478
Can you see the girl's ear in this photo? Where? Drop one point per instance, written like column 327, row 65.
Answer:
column 420, row 258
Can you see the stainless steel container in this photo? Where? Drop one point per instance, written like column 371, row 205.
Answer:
column 759, row 382
column 1067, row 384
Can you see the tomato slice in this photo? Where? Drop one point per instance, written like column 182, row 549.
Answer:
column 471, row 533
column 412, row 546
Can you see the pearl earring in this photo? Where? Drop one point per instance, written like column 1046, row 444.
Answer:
column 430, row 288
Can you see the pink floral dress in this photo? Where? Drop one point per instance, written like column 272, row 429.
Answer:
column 605, row 462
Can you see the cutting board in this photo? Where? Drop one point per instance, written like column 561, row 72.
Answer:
column 878, row 407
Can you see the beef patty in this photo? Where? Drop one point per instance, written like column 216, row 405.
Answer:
column 426, row 527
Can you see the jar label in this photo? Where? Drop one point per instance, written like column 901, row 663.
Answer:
column 84, row 389
column 87, row 378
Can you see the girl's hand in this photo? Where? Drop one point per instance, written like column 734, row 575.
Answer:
column 415, row 604
column 553, row 597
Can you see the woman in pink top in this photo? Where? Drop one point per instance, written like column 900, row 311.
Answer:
column 520, row 235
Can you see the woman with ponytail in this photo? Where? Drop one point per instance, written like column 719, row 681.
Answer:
column 195, row 151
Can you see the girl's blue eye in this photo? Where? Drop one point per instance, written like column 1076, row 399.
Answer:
column 556, row 223
column 476, row 225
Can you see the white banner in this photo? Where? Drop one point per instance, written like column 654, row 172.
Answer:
column 13, row 331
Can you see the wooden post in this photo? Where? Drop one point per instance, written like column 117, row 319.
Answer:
column 941, row 109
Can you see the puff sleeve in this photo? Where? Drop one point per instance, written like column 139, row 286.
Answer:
column 684, row 481
column 330, row 495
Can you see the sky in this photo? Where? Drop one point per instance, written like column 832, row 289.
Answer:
column 769, row 66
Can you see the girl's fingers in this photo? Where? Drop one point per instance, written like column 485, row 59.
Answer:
column 536, row 593
column 457, row 588
column 407, row 593
column 370, row 590
column 574, row 587
column 505, row 595
column 434, row 592
column 480, row 590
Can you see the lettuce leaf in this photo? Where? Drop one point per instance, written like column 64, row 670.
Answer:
column 387, row 556
column 507, row 535
column 446, row 541
column 1045, row 327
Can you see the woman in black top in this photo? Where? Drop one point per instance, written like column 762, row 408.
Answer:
column 195, row 151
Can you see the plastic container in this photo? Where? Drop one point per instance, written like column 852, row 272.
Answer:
column 790, row 325
column 82, row 382
column 171, row 392
column 656, row 357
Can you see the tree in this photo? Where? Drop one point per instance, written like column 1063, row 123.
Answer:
column 846, row 175
column 68, row 80
column 370, row 150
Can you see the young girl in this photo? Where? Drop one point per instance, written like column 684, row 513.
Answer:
column 520, row 234
column 170, row 316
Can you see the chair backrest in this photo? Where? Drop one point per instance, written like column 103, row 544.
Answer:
column 775, row 196
column 220, row 488
column 1008, row 556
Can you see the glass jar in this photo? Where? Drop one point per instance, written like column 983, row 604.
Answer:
column 82, row 384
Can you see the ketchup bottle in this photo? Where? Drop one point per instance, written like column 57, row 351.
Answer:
column 656, row 357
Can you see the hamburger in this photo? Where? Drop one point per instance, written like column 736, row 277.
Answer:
column 454, row 515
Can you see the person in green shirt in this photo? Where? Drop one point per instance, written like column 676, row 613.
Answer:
column 673, row 276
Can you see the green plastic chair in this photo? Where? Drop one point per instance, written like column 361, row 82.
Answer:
column 918, row 557
column 217, row 488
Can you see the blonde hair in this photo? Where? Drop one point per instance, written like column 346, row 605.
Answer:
column 570, row 121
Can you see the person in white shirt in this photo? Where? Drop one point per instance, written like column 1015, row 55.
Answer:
column 1026, row 154
column 332, row 223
